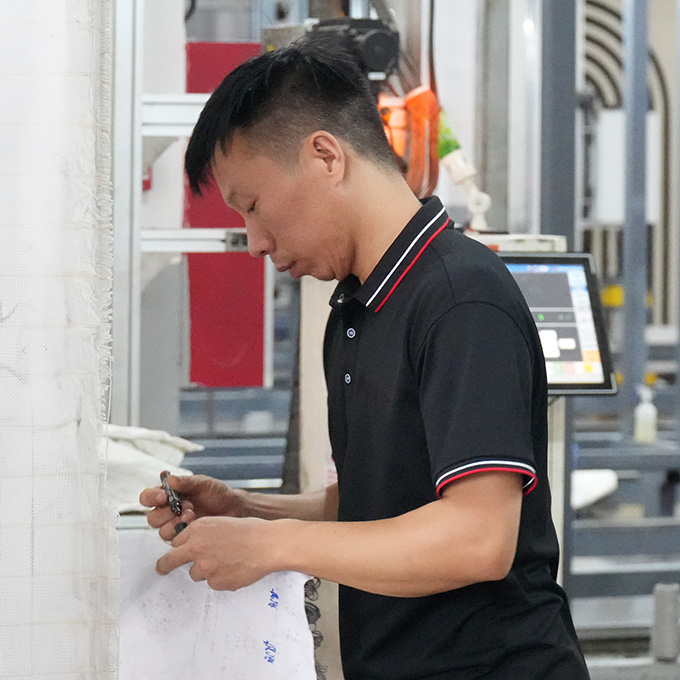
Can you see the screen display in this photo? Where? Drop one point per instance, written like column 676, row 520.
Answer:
column 562, row 295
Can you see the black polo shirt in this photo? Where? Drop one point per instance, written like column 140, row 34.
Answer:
column 435, row 371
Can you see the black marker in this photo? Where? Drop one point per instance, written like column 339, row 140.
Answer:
column 173, row 500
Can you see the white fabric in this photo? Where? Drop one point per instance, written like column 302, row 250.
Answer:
column 590, row 486
column 175, row 629
column 131, row 470
column 157, row 443
column 58, row 554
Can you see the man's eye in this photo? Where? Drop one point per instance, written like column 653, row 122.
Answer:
column 252, row 207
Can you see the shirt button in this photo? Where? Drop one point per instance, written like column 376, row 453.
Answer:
column 351, row 332
column 348, row 378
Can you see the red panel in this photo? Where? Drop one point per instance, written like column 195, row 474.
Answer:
column 226, row 292
column 208, row 63
column 227, row 320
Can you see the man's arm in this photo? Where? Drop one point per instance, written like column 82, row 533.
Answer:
column 467, row 537
column 204, row 496
column 319, row 506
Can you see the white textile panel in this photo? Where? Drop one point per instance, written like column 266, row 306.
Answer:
column 175, row 629
column 58, row 554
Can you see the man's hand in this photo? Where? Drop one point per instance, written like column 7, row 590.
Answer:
column 229, row 553
column 201, row 496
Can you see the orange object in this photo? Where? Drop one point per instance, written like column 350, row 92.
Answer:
column 412, row 128
column 396, row 122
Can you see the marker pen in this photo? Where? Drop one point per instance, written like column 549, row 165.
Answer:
column 173, row 500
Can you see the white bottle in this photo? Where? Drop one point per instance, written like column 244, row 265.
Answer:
column 645, row 417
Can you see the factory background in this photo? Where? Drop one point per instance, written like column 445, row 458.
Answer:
column 565, row 114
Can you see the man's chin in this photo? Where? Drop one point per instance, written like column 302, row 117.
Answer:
column 297, row 271
column 326, row 276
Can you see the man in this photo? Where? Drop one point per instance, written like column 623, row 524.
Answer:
column 438, row 529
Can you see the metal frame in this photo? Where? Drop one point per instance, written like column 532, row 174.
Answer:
column 359, row 8
column 127, row 171
column 557, row 209
column 524, row 131
column 194, row 240
column 635, row 225
column 558, row 118
column 169, row 115
column 493, row 104
column 677, row 150
column 136, row 117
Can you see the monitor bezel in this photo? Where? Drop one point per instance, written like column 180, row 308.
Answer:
column 608, row 385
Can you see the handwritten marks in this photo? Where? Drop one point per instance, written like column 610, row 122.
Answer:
column 174, row 628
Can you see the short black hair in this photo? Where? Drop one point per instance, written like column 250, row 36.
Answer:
column 279, row 97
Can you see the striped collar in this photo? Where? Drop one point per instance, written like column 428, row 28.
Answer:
column 416, row 236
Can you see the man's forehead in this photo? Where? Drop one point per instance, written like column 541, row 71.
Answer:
column 226, row 162
column 223, row 179
column 239, row 172
column 234, row 153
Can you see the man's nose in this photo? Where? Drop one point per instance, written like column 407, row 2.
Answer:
column 259, row 242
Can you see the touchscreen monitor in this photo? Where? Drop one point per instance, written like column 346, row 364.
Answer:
column 563, row 296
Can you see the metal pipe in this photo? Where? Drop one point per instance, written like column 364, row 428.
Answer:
column 634, row 225
column 665, row 633
column 677, row 374
column 558, row 118
column 127, row 197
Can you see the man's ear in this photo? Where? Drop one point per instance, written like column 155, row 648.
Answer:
column 325, row 147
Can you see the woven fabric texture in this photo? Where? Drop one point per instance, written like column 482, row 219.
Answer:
column 58, row 551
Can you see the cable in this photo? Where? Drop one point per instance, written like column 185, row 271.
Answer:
column 606, row 9
column 619, row 62
column 430, row 49
column 598, row 90
column 666, row 171
column 618, row 101
column 606, row 49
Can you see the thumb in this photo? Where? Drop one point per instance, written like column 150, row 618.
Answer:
column 185, row 484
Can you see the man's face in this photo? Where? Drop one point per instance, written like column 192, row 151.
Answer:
column 288, row 211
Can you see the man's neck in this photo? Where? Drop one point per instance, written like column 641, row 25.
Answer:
column 383, row 206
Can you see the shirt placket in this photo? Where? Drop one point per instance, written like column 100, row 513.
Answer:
column 351, row 320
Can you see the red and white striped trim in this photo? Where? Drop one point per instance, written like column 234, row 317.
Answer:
column 403, row 256
column 489, row 466
column 413, row 261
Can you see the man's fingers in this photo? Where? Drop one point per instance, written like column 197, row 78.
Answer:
column 174, row 558
column 153, row 498
column 182, row 537
column 187, row 484
column 159, row 516
column 156, row 497
column 196, row 574
column 167, row 530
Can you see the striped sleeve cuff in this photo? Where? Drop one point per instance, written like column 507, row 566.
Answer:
column 526, row 470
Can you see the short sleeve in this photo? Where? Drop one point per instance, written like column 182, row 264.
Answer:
column 475, row 377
